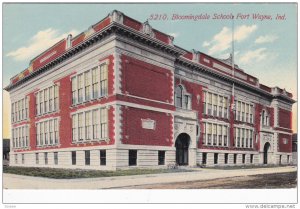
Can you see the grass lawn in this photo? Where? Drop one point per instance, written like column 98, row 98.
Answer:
column 58, row 173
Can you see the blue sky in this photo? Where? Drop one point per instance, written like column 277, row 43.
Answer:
column 266, row 49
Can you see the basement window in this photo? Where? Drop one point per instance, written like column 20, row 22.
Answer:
column 37, row 158
column 102, row 157
column 234, row 158
column 87, row 155
column 46, row 158
column 226, row 158
column 161, row 157
column 55, row 158
column 216, row 156
column 73, row 157
column 132, row 157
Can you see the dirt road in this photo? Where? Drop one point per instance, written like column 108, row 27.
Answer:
column 262, row 181
column 11, row 181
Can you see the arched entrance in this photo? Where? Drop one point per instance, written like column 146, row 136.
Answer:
column 266, row 149
column 182, row 149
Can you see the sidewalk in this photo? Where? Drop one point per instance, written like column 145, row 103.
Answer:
column 12, row 181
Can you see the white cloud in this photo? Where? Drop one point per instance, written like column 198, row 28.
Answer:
column 39, row 43
column 174, row 34
column 254, row 55
column 266, row 39
column 206, row 44
column 222, row 40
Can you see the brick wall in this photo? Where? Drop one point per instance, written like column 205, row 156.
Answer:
column 285, row 118
column 146, row 80
column 133, row 133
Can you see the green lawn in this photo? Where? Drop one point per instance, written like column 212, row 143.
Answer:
column 58, row 173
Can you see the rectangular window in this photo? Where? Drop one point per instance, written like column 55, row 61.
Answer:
column 22, row 109
column 216, row 156
column 80, row 88
column 74, row 128
column 234, row 158
column 73, row 157
column 95, row 82
column 204, row 158
column 96, row 123
column 23, row 137
column 225, row 130
column 209, row 133
column 51, row 99
column 74, row 90
column 238, row 137
column 103, row 80
column 13, row 138
column 132, row 157
column 246, row 138
column 251, row 113
column 251, row 139
column 102, row 157
column 161, row 157
column 209, row 104
column 16, row 158
column 16, row 113
column 46, row 158
column 243, row 137
column 87, row 155
column 56, row 93
column 26, row 108
column 244, row 158
column 27, row 136
column 46, row 94
column 239, row 111
column 12, row 112
column 55, row 158
column 46, row 132
column 37, row 158
column 88, row 128
column 23, row 159
column 87, row 85
column 251, row 158
column 37, row 134
column 214, row 134
column 226, row 158
column 186, row 102
column 247, row 113
column 41, row 94
column 80, row 127
column 103, row 124
column 220, row 106
column 215, row 103
column 243, row 112
column 215, row 111
column 41, row 133
column 220, row 135
column 204, row 133
column 51, row 131
column 37, row 103
column 19, row 108
column 204, row 102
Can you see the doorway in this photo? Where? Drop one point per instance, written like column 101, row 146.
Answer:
column 182, row 149
column 266, row 149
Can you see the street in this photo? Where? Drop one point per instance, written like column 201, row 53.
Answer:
column 279, row 177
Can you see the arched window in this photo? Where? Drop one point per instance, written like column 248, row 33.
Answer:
column 265, row 118
column 178, row 93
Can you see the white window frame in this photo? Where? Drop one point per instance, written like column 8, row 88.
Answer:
column 98, row 127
